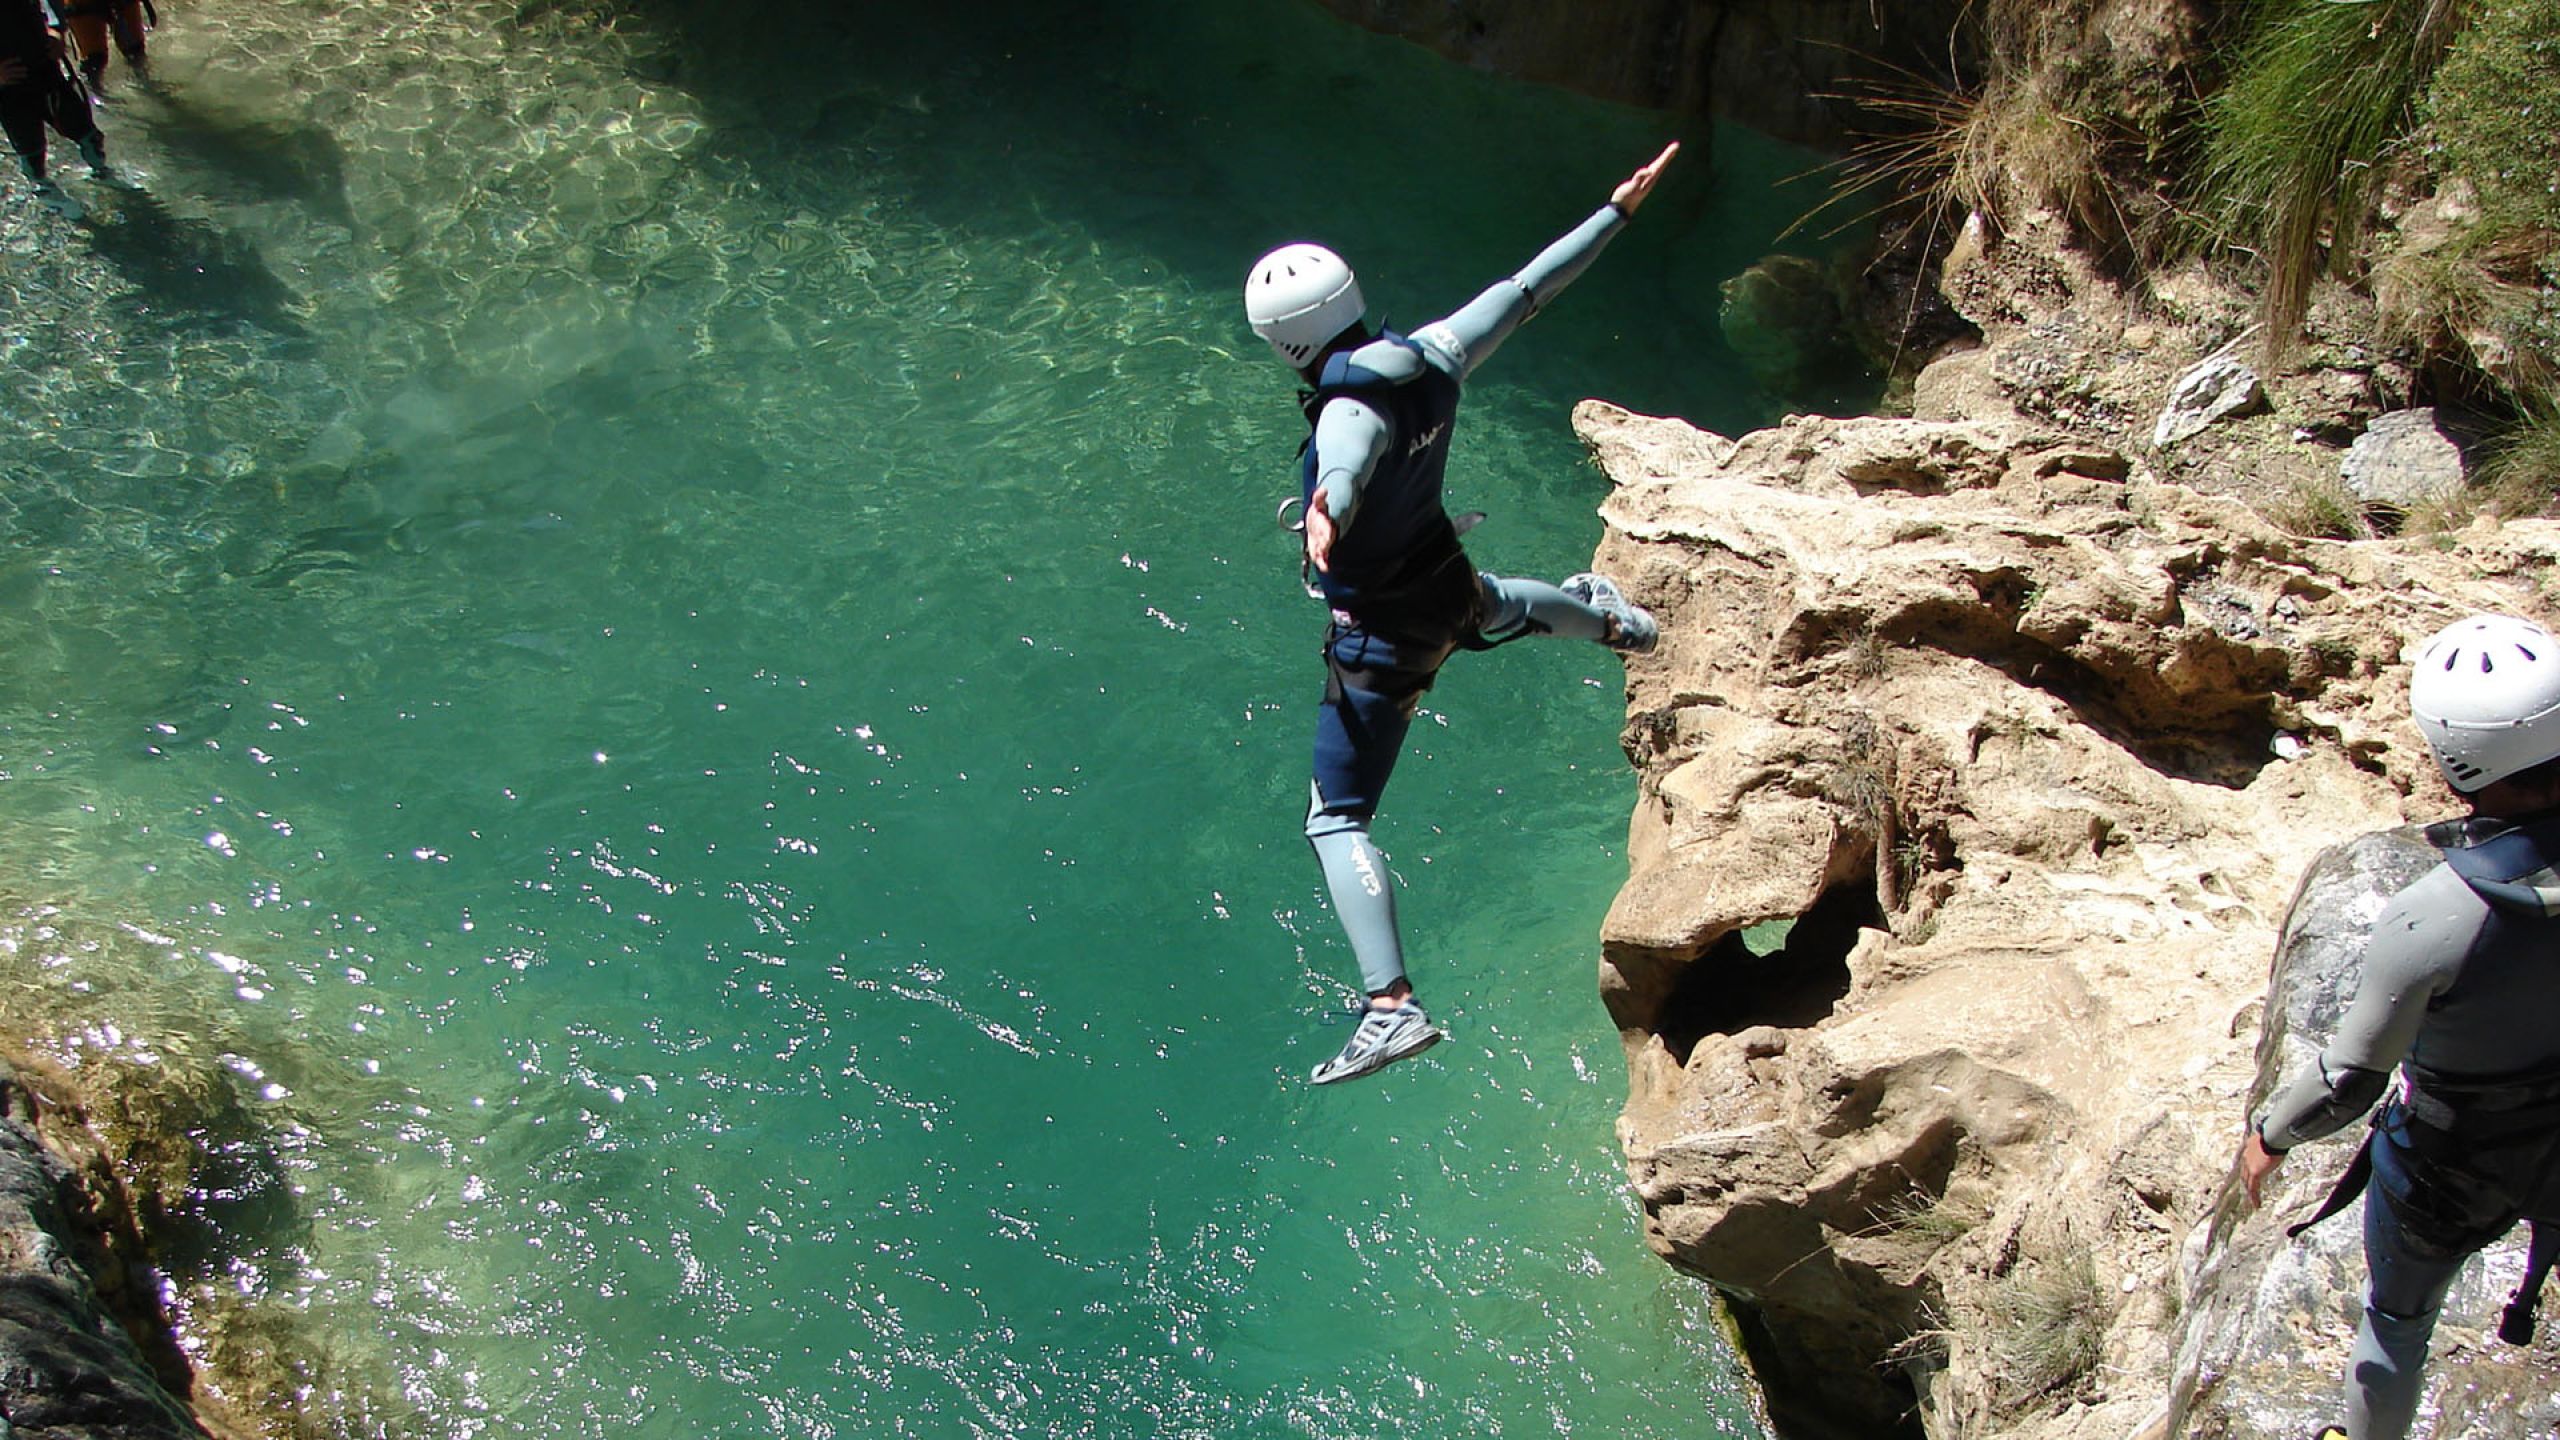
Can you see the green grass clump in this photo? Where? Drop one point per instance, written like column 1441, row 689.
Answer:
column 2049, row 1325
column 2522, row 472
column 2318, row 510
column 2296, row 141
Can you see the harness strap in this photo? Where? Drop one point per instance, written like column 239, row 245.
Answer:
column 2515, row 1326
column 2359, row 1173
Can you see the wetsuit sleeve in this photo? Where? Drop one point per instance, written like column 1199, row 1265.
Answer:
column 2415, row 951
column 1350, row 438
column 1462, row 341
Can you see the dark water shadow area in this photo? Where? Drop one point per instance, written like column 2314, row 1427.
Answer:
column 1433, row 177
column 193, row 266
column 252, row 159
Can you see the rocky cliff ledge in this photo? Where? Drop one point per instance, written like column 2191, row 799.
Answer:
column 2029, row 748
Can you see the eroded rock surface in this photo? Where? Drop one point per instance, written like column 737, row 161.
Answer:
column 1782, row 66
column 1993, row 717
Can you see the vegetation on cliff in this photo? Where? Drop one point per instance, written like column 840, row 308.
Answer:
column 2402, row 149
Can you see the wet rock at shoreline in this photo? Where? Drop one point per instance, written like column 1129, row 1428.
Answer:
column 67, row 1370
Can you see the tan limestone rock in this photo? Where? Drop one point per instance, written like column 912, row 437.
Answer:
column 1995, row 718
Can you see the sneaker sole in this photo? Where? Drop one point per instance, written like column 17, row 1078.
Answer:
column 1321, row 1078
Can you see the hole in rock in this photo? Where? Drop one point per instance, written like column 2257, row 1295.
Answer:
column 1808, row 1395
column 1787, row 974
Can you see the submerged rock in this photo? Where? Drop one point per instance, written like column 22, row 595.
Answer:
column 1783, row 318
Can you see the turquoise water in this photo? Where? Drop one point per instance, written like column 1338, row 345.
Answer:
column 673, row 621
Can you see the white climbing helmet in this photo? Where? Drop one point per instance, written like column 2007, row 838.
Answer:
column 1299, row 297
column 2486, row 693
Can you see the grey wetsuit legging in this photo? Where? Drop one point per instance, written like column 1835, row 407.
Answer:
column 1350, row 439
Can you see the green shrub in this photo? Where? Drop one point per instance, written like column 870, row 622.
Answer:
column 2492, row 129
column 2493, row 114
column 2296, row 141
column 2522, row 472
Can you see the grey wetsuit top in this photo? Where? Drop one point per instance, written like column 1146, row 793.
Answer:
column 2449, row 984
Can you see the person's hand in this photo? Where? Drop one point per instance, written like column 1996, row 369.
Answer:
column 61, row 51
column 2257, row 1162
column 1632, row 190
column 1320, row 533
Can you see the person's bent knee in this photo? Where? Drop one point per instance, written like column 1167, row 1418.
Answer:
column 1321, row 823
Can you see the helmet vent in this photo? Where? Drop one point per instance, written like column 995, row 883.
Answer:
column 2487, row 665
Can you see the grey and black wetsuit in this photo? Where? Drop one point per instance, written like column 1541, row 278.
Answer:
column 1403, row 593
column 2459, row 990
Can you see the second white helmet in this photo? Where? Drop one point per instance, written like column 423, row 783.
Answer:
column 2486, row 694
column 1299, row 297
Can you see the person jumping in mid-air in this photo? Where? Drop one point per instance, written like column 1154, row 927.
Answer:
column 1385, row 556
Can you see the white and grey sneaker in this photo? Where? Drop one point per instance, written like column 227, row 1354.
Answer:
column 1383, row 1038
column 1631, row 627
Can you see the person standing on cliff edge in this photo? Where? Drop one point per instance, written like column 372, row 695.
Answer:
column 2459, row 988
column 1383, row 553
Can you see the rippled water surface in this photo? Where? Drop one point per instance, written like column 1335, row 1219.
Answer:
column 669, row 611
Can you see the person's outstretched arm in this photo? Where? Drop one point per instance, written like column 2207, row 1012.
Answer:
column 1464, row 340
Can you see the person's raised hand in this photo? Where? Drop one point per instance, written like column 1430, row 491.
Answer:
column 1632, row 190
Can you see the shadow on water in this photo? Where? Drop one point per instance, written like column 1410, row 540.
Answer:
column 256, row 160
column 194, row 266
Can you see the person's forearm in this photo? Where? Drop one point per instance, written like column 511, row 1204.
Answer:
column 2412, row 954
column 1466, row 338
column 2320, row 1102
column 1560, row 263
